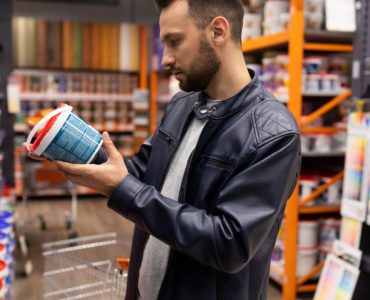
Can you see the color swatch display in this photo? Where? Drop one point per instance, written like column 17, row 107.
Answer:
column 75, row 45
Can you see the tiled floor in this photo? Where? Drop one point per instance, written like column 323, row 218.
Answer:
column 93, row 218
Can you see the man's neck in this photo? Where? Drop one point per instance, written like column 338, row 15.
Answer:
column 232, row 77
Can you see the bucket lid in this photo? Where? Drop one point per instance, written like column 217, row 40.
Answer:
column 43, row 131
column 44, row 126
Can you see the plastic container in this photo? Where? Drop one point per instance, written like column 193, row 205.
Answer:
column 332, row 194
column 308, row 234
column 308, row 184
column 6, row 228
column 6, row 216
column 64, row 136
column 2, row 251
column 4, row 271
column 306, row 260
column 329, row 231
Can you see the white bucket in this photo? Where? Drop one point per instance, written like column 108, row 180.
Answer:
column 308, row 234
column 66, row 137
column 307, row 259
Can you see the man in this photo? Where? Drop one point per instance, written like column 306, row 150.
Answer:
column 207, row 192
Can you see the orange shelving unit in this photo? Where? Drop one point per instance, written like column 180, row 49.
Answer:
column 297, row 41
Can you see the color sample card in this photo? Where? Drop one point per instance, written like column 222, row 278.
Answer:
column 350, row 232
column 356, row 172
column 355, row 158
column 337, row 281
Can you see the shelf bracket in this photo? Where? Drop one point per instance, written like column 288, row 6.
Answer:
column 326, row 107
column 321, row 189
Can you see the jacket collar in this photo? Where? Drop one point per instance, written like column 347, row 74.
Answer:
column 231, row 105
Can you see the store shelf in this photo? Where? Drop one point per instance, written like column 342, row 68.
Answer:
column 322, row 36
column 319, row 209
column 322, row 94
column 75, row 96
column 40, row 71
column 318, row 130
column 324, row 154
column 266, row 42
column 327, row 47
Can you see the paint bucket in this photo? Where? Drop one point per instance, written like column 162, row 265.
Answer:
column 61, row 135
column 307, row 259
column 308, row 232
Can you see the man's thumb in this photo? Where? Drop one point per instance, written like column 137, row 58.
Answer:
column 108, row 145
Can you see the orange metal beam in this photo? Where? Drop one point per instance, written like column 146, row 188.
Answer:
column 321, row 189
column 295, row 52
column 311, row 273
column 328, row 47
column 153, row 101
column 307, row 288
column 319, row 209
column 322, row 129
column 266, row 41
column 290, row 246
column 326, row 107
column 143, row 58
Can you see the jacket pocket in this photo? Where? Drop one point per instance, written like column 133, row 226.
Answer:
column 165, row 136
column 217, row 161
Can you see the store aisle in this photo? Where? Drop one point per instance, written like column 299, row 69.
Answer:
column 93, row 217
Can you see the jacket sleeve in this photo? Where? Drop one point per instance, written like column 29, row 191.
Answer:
column 247, row 208
column 137, row 164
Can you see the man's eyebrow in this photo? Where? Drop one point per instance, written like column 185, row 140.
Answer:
column 169, row 35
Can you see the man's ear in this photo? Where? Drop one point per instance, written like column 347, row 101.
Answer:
column 220, row 29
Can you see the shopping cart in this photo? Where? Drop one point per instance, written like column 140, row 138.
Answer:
column 91, row 267
column 42, row 176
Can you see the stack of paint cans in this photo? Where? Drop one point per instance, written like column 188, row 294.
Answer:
column 7, row 242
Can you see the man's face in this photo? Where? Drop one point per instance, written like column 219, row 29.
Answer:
column 187, row 53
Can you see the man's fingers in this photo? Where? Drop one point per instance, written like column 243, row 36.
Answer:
column 33, row 156
column 73, row 169
column 109, row 146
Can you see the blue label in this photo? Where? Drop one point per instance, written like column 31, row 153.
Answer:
column 75, row 142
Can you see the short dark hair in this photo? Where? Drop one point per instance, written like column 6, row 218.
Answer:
column 204, row 11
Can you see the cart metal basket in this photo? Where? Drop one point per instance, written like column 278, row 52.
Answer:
column 86, row 267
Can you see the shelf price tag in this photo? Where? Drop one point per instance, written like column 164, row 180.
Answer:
column 13, row 95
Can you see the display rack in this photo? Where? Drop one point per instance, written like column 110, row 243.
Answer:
column 132, row 132
column 297, row 42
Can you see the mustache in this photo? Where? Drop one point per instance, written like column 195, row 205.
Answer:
column 175, row 70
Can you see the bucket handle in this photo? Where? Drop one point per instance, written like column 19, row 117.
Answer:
column 43, row 121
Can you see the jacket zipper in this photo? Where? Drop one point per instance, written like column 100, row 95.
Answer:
column 164, row 135
column 218, row 161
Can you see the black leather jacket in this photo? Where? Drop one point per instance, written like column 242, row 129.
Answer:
column 232, row 198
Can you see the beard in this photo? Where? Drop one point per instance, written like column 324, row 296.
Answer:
column 202, row 70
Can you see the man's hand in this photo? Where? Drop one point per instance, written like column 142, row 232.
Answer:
column 33, row 156
column 102, row 178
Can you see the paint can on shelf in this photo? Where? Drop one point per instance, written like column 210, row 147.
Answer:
column 306, row 260
column 61, row 135
column 308, row 232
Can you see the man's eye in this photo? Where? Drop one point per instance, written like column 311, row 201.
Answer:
column 175, row 42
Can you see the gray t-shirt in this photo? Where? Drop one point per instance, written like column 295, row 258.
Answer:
column 155, row 258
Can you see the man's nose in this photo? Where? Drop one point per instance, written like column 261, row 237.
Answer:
column 167, row 60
